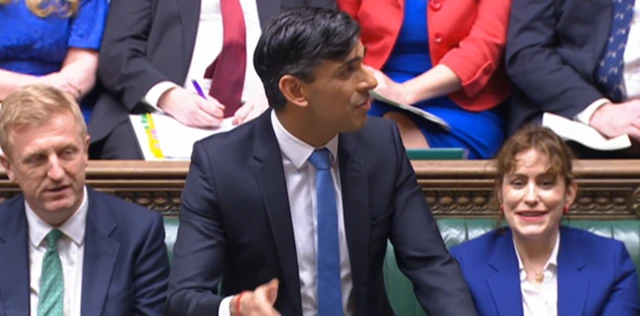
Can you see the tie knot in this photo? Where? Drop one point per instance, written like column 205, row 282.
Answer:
column 321, row 159
column 53, row 237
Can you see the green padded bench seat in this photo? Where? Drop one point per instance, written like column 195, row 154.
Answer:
column 456, row 231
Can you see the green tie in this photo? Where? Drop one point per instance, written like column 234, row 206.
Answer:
column 51, row 296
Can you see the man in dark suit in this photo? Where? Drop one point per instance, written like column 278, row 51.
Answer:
column 292, row 211
column 152, row 51
column 66, row 249
column 572, row 58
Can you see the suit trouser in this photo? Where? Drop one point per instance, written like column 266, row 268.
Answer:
column 121, row 144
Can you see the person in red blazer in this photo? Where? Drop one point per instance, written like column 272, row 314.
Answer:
column 444, row 57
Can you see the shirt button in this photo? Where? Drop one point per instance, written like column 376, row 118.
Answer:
column 436, row 4
column 438, row 37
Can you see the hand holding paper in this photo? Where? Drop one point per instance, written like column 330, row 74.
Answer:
column 583, row 133
column 392, row 93
column 388, row 88
column 411, row 109
column 613, row 120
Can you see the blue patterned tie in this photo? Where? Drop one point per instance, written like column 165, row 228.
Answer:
column 329, row 289
column 51, row 297
column 611, row 66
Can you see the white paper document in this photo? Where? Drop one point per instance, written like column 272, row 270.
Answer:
column 583, row 133
column 161, row 137
column 411, row 109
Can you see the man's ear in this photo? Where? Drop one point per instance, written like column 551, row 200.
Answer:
column 87, row 142
column 4, row 160
column 292, row 89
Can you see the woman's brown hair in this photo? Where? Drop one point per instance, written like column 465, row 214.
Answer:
column 44, row 8
column 545, row 142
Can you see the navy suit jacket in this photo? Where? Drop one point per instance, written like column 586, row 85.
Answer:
column 595, row 275
column 553, row 49
column 125, row 267
column 235, row 224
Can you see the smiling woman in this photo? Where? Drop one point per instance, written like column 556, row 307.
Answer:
column 555, row 268
column 534, row 185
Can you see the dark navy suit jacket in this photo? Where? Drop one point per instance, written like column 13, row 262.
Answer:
column 125, row 269
column 553, row 49
column 595, row 275
column 235, row 224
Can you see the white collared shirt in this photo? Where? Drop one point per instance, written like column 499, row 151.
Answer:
column 70, row 250
column 543, row 302
column 208, row 46
column 631, row 74
column 300, row 177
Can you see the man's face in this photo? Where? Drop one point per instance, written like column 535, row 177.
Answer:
column 48, row 162
column 339, row 96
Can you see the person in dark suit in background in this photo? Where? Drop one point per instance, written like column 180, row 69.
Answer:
column 66, row 249
column 574, row 59
column 153, row 50
column 292, row 211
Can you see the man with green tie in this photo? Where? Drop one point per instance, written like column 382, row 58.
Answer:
column 66, row 249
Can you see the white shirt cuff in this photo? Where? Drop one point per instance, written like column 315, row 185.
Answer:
column 225, row 306
column 585, row 116
column 153, row 95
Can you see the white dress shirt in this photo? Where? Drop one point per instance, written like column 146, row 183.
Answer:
column 300, row 177
column 542, row 300
column 208, row 46
column 631, row 73
column 70, row 250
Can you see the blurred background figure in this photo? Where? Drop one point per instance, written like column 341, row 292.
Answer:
column 580, row 60
column 154, row 50
column 444, row 57
column 51, row 42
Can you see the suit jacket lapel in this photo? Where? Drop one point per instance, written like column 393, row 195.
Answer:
column 190, row 18
column 270, row 176
column 14, row 259
column 573, row 282
column 506, row 281
column 355, row 203
column 100, row 254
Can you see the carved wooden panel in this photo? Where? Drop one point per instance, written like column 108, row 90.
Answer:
column 609, row 189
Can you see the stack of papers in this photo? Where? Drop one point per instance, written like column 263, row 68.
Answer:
column 161, row 137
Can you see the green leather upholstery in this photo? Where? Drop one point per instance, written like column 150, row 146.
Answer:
column 455, row 231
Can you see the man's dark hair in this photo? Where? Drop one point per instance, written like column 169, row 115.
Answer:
column 296, row 41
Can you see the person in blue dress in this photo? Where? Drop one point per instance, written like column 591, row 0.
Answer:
column 52, row 42
column 445, row 57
